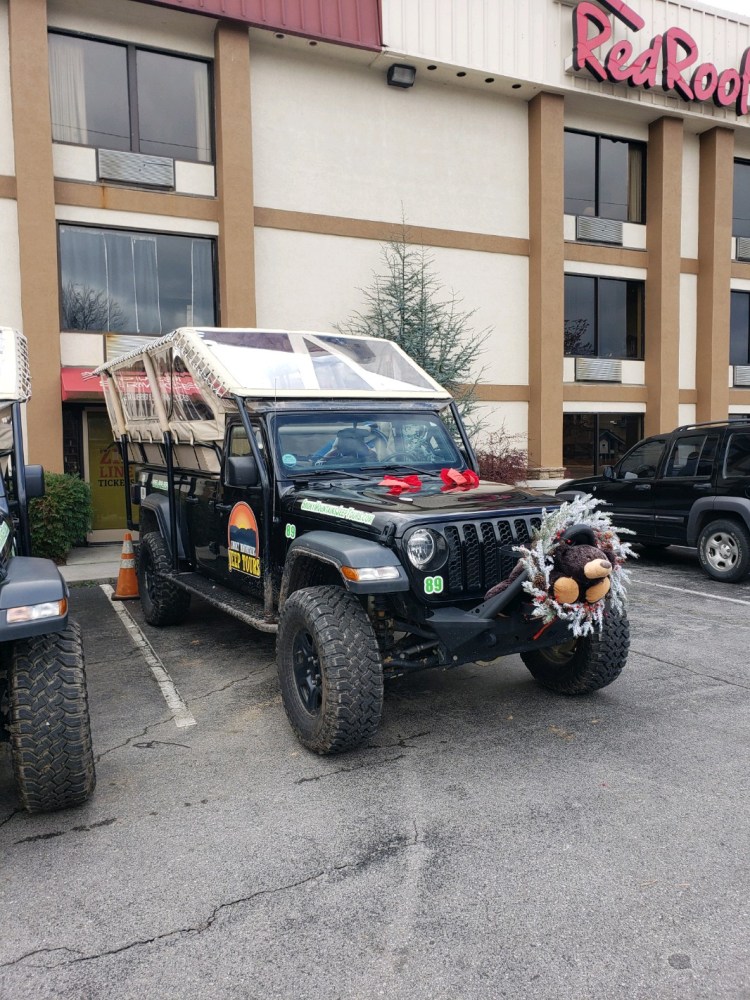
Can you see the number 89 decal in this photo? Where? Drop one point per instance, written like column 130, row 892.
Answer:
column 433, row 585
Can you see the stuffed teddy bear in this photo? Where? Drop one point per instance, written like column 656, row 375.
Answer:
column 580, row 572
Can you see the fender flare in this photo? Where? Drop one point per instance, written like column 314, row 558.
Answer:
column 344, row 550
column 716, row 506
column 158, row 505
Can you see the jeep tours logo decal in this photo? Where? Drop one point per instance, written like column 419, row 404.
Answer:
column 244, row 549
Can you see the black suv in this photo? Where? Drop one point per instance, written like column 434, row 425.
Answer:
column 324, row 488
column 687, row 487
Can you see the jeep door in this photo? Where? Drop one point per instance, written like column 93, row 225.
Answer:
column 629, row 492
column 238, row 518
column 686, row 477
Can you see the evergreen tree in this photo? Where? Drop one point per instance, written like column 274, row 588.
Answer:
column 407, row 305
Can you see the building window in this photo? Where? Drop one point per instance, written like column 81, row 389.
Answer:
column 604, row 317
column 739, row 326
column 117, row 96
column 605, row 177
column 741, row 199
column 593, row 440
column 135, row 282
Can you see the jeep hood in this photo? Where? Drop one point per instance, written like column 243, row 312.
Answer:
column 432, row 500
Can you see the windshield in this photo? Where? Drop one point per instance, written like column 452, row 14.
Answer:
column 375, row 440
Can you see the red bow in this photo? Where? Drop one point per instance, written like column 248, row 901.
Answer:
column 407, row 484
column 454, row 479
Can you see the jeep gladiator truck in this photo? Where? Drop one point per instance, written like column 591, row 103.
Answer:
column 44, row 713
column 323, row 487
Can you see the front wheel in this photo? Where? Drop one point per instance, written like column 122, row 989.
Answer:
column 724, row 550
column 50, row 732
column 163, row 602
column 586, row 664
column 330, row 670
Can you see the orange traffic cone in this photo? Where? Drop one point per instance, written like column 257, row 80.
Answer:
column 127, row 581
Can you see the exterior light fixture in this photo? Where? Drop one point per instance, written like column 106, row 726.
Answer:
column 400, row 75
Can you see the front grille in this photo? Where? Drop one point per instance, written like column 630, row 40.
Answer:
column 480, row 553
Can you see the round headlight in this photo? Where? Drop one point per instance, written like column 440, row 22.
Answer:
column 421, row 547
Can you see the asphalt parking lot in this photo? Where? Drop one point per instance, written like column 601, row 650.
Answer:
column 494, row 840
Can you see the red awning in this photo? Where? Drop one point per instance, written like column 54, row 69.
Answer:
column 77, row 389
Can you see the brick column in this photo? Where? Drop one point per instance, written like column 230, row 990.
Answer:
column 37, row 234
column 663, row 216
column 546, row 283
column 234, row 175
column 715, row 274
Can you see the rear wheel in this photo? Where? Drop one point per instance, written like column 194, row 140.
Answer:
column 330, row 670
column 49, row 728
column 162, row 601
column 586, row 664
column 724, row 550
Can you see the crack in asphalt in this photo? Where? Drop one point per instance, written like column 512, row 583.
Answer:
column 698, row 673
column 401, row 742
column 399, row 844
column 135, row 736
column 348, row 770
column 10, row 816
column 237, row 680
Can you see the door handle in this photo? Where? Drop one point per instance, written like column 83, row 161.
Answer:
column 224, row 507
column 702, row 486
column 191, row 499
column 643, row 486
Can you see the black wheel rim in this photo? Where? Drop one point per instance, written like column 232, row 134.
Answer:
column 307, row 677
column 148, row 576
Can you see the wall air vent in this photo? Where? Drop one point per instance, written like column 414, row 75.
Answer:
column 598, row 370
column 743, row 249
column 136, row 168
column 598, row 230
column 741, row 376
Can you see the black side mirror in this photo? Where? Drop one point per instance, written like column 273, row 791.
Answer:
column 608, row 472
column 34, row 475
column 241, row 470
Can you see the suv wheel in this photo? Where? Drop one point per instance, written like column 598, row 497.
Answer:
column 586, row 664
column 724, row 550
column 50, row 733
column 330, row 670
column 163, row 603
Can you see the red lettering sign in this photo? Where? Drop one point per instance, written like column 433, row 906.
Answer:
column 672, row 59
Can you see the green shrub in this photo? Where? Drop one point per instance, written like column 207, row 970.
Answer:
column 61, row 517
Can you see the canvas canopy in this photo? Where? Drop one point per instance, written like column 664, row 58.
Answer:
column 15, row 377
column 184, row 382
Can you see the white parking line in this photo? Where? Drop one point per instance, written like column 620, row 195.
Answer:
column 698, row 593
column 182, row 715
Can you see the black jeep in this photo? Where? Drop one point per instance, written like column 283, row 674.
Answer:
column 687, row 487
column 324, row 487
column 43, row 701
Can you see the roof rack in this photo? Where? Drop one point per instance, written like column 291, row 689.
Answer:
column 741, row 419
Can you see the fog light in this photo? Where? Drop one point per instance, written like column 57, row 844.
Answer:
column 35, row 612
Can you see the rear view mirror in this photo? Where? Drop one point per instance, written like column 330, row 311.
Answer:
column 241, row 470
column 34, row 475
column 608, row 472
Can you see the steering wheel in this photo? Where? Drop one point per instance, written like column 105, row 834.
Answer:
column 375, row 435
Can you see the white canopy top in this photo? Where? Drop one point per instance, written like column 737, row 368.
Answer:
column 15, row 377
column 184, row 381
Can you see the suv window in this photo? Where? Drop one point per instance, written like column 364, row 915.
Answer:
column 692, row 455
column 737, row 458
column 643, row 461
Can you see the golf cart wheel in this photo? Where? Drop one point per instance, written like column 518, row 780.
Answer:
column 162, row 601
column 49, row 727
column 585, row 664
column 724, row 550
column 330, row 670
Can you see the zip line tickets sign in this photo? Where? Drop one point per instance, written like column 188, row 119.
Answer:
column 671, row 60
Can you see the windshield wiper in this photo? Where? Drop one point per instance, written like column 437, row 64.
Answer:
column 389, row 467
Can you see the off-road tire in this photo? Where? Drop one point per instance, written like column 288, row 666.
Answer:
column 330, row 625
column 585, row 664
column 162, row 601
column 724, row 550
column 49, row 728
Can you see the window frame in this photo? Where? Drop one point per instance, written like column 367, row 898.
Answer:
column 213, row 240
column 131, row 52
column 738, row 161
column 732, row 293
column 597, row 278
column 598, row 136
column 598, row 416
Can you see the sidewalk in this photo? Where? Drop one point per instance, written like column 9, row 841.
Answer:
column 93, row 563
